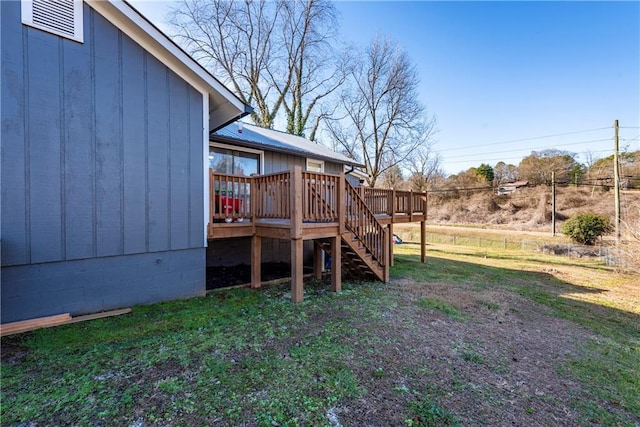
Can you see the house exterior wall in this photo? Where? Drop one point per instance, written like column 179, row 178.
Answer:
column 96, row 284
column 334, row 168
column 102, row 159
column 279, row 162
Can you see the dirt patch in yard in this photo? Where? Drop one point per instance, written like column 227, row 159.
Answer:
column 498, row 365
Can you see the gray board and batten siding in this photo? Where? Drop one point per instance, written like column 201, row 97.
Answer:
column 102, row 173
column 279, row 162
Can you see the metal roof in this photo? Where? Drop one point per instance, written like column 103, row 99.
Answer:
column 253, row 136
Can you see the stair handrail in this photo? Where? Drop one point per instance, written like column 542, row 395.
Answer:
column 361, row 221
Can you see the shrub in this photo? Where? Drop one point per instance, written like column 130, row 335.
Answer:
column 586, row 228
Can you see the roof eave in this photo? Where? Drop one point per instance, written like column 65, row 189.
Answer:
column 258, row 146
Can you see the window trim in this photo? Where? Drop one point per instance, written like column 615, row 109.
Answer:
column 320, row 162
column 260, row 153
column 78, row 18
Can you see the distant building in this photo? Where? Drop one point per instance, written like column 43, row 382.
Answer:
column 511, row 187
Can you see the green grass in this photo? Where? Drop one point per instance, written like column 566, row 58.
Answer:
column 205, row 358
column 428, row 413
column 442, row 306
column 250, row 356
column 610, row 365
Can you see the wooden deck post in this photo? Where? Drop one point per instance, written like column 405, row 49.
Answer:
column 410, row 202
column 295, row 214
column 296, row 202
column 391, row 204
column 423, row 241
column 336, row 264
column 342, row 203
column 391, row 260
column 256, row 261
column 253, row 201
column 423, row 230
column 317, row 261
column 296, row 270
column 386, row 255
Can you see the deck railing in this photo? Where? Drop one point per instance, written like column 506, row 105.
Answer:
column 379, row 200
column 271, row 195
column 237, row 198
column 419, row 203
column 361, row 221
column 403, row 201
column 393, row 202
column 229, row 197
column 320, row 197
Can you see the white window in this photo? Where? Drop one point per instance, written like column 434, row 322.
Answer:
column 315, row 165
column 60, row 17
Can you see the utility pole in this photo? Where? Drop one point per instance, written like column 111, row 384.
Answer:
column 616, row 180
column 553, row 203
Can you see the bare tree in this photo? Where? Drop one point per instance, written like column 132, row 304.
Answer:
column 503, row 172
column 278, row 56
column 316, row 71
column 235, row 40
column 538, row 166
column 383, row 122
column 392, row 178
column 424, row 166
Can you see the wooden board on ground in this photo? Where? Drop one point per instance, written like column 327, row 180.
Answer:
column 58, row 319
column 100, row 315
column 31, row 324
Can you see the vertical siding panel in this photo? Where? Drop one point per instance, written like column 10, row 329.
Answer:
column 108, row 140
column 78, row 170
column 268, row 162
column 334, row 168
column 158, row 140
column 44, row 147
column 179, row 158
column 15, row 242
column 134, row 147
column 196, row 177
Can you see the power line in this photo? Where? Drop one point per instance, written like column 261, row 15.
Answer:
column 540, row 148
column 445, row 190
column 584, row 182
column 480, row 160
column 630, row 140
column 527, row 139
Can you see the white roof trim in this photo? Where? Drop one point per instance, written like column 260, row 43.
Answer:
column 131, row 22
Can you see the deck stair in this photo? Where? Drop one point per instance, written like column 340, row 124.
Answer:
column 364, row 242
column 356, row 261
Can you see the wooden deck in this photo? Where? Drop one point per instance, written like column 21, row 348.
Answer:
column 355, row 225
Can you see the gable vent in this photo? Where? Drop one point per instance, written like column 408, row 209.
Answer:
column 61, row 17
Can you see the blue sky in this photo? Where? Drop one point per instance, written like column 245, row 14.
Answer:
column 497, row 73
